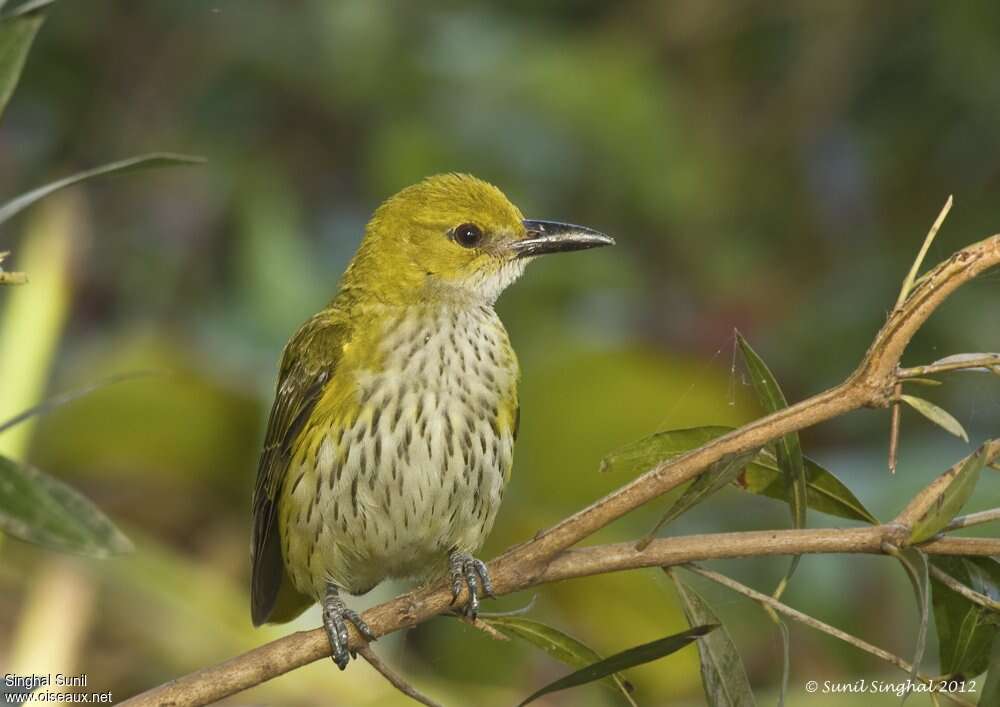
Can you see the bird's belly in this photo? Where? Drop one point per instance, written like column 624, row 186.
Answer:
column 418, row 472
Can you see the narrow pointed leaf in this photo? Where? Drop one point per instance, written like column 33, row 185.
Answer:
column 965, row 357
column 644, row 454
column 950, row 501
column 40, row 509
column 640, row 655
column 939, row 416
column 965, row 632
column 17, row 32
column 911, row 277
column 723, row 675
column 717, row 476
column 824, row 491
column 150, row 161
column 788, row 449
column 923, row 381
column 557, row 644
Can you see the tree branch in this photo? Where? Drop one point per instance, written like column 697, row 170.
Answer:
column 304, row 647
column 545, row 558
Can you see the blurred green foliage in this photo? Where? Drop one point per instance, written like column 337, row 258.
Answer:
column 772, row 168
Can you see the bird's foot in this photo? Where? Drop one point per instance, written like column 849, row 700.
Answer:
column 335, row 616
column 466, row 569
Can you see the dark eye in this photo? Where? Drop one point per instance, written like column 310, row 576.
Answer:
column 468, row 235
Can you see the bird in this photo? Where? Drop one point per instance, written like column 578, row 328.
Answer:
column 391, row 436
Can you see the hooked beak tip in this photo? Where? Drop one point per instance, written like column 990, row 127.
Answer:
column 555, row 237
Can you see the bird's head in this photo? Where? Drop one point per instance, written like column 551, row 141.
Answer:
column 454, row 236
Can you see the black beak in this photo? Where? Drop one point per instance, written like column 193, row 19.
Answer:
column 554, row 237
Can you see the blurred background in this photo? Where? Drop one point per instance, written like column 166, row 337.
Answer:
column 768, row 168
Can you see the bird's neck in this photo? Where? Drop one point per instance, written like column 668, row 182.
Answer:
column 422, row 292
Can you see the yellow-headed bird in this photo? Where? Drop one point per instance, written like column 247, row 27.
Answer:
column 392, row 431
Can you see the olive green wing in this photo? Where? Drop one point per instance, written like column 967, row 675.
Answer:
column 308, row 364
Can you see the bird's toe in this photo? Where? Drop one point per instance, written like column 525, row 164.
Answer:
column 473, row 574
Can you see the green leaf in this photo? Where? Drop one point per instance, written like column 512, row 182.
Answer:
column 646, row 653
column 951, row 499
column 40, row 509
column 642, row 455
column 911, row 277
column 788, row 449
column 939, row 416
column 152, row 160
column 715, row 477
column 922, row 381
column 722, row 672
column 966, row 357
column 965, row 632
column 17, row 32
column 557, row 644
column 991, row 690
column 824, row 491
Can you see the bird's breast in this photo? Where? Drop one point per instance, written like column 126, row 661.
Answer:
column 419, row 466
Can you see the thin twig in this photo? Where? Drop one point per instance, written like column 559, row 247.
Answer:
column 967, row 521
column 482, row 624
column 970, row 594
column 809, row 621
column 932, row 368
column 602, row 559
column 393, row 677
column 69, row 396
column 894, row 428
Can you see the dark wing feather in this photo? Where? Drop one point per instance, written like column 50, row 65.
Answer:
column 308, row 364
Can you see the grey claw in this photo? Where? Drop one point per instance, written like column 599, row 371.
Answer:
column 467, row 570
column 334, row 614
column 484, row 575
column 336, row 632
column 472, row 608
column 359, row 623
